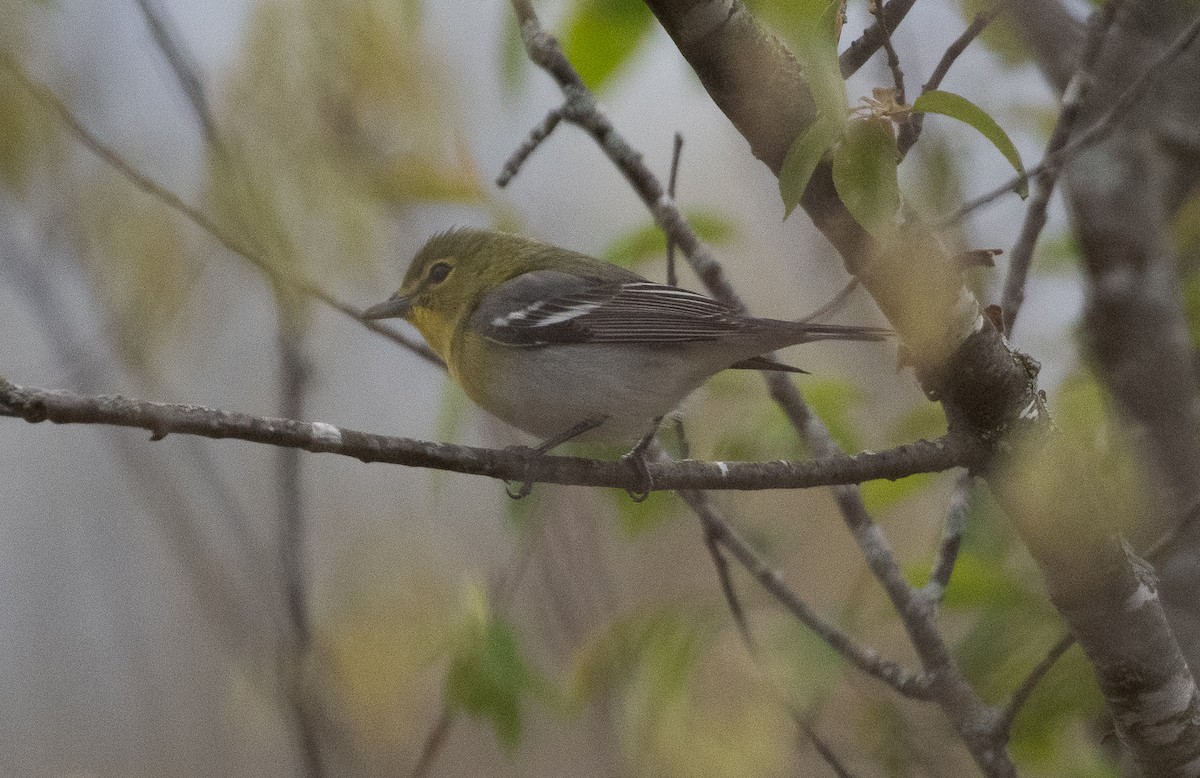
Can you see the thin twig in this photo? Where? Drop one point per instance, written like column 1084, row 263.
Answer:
column 834, row 304
column 147, row 185
column 432, row 745
column 294, row 380
column 1025, row 690
column 911, row 131
column 1074, row 100
column 676, row 153
column 539, row 134
column 893, row 59
column 858, row 52
column 700, row 504
column 956, row 520
column 713, row 544
column 503, row 590
column 865, row 659
column 181, row 65
column 825, row 751
column 1096, row 132
column 955, row 49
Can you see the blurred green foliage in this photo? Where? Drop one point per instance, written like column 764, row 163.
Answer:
column 999, row 37
column 335, row 114
column 489, row 678
column 814, row 26
column 647, row 241
column 603, row 35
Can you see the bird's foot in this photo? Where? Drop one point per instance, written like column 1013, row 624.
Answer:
column 637, row 459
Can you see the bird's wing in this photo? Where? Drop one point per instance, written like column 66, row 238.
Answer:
column 550, row 307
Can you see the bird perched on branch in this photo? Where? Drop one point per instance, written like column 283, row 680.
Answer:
column 565, row 346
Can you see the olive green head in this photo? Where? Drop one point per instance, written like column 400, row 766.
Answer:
column 452, row 272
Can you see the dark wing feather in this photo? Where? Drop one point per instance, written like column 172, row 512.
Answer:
column 549, row 307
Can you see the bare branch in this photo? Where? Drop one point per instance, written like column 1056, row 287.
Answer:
column 824, row 750
column 1096, row 132
column 858, row 52
column 1074, row 101
column 676, row 154
column 181, row 65
column 713, row 544
column 893, row 59
column 432, row 745
column 1025, row 690
column 162, row 419
column 911, row 131
column 956, row 519
column 864, row 658
column 535, row 139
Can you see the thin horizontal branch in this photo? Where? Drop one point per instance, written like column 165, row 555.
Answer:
column 36, row 405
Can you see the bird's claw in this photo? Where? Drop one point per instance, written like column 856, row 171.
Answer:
column 645, row 482
column 526, row 487
column 521, row 492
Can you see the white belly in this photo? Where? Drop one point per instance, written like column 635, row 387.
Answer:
column 548, row 391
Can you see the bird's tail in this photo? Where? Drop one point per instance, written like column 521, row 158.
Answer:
column 813, row 331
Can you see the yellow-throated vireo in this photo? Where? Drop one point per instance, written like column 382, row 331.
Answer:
column 562, row 345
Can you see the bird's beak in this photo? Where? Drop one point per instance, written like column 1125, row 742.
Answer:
column 396, row 307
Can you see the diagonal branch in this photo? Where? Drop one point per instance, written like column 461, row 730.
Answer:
column 858, row 52
column 865, row 659
column 197, row 217
column 910, row 131
column 1096, row 132
column 1074, row 101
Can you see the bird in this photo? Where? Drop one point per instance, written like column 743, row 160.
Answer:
column 565, row 346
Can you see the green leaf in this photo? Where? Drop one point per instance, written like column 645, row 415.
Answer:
column 802, row 159
column 959, row 107
column 864, row 173
column 487, row 679
column 815, row 42
column 602, row 35
column 647, row 242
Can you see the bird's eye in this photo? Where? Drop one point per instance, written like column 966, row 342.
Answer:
column 438, row 272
